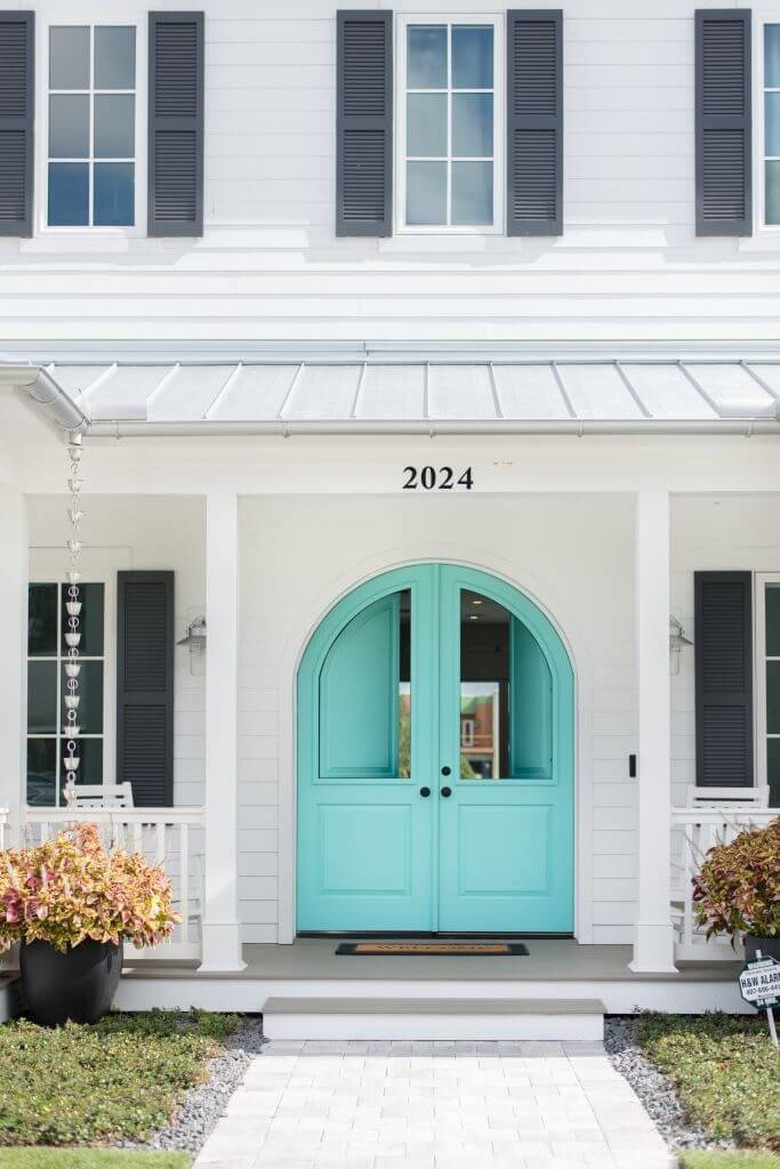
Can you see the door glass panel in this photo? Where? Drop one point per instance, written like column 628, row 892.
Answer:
column 505, row 695
column 484, row 687
column 773, row 621
column 365, row 695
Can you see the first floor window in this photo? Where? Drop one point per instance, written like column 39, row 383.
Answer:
column 46, row 655
column 92, row 116
column 449, row 126
column 771, row 144
column 770, row 677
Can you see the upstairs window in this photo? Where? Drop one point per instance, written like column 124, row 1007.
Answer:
column 449, row 132
column 771, row 143
column 92, row 126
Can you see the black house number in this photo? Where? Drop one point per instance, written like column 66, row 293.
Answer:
column 437, row 479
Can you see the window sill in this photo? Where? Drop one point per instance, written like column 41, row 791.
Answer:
column 80, row 241
column 765, row 240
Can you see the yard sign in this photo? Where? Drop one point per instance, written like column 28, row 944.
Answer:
column 759, row 984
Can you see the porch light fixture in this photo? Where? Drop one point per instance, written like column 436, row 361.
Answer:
column 195, row 640
column 677, row 641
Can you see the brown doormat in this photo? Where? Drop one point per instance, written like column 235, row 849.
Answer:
column 440, row 949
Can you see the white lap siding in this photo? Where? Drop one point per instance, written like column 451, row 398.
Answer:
column 269, row 266
column 573, row 555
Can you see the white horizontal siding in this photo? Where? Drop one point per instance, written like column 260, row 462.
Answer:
column 543, row 542
column 269, row 208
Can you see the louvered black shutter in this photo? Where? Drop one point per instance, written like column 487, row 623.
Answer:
column 724, row 170
column 144, row 705
column 534, row 122
column 176, row 73
column 724, row 679
column 17, row 107
column 364, row 123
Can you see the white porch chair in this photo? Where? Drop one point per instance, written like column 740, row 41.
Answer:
column 98, row 795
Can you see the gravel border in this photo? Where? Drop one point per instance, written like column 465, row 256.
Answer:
column 203, row 1106
column 654, row 1089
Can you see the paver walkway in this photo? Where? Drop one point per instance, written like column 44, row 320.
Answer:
column 431, row 1105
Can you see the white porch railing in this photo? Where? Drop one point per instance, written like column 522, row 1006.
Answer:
column 171, row 837
column 4, row 827
column 694, row 832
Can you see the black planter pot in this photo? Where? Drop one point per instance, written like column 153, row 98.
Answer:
column 79, row 985
column 769, row 947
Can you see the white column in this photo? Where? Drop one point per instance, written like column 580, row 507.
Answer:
column 13, row 677
column 221, row 928
column 654, row 939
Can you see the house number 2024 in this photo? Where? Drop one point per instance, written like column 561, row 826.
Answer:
column 437, row 479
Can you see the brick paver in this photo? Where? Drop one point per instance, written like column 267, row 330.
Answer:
column 378, row 1105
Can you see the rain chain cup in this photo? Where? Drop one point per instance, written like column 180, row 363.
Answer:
column 73, row 604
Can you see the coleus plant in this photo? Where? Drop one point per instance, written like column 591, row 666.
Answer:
column 71, row 888
column 737, row 890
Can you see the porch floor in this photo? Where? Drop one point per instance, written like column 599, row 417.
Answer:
column 548, row 959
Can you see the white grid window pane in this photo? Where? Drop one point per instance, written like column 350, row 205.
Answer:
column 91, row 172
column 449, row 122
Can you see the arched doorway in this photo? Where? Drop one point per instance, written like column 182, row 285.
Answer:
column 435, row 761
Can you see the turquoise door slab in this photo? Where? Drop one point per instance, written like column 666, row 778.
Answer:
column 379, row 717
column 366, row 837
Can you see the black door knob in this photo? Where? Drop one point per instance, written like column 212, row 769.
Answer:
column 446, row 771
column 425, row 792
column 446, row 792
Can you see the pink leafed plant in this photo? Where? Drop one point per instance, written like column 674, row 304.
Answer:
column 737, row 890
column 71, row 888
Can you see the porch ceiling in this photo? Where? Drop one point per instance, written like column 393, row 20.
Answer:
column 397, row 393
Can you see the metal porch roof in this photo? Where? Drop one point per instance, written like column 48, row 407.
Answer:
column 409, row 394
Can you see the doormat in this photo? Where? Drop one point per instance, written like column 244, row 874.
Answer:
column 439, row 949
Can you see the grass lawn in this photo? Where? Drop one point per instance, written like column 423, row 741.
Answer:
column 119, row 1080
column 39, row 1158
column 744, row 1159
column 727, row 1075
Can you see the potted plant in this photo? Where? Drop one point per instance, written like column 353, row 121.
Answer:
column 70, row 902
column 737, row 890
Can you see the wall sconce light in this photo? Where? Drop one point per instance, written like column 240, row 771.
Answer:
column 677, row 640
column 195, row 641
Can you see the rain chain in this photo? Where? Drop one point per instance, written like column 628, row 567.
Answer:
column 72, row 730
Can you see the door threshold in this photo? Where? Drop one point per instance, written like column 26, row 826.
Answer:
column 374, row 935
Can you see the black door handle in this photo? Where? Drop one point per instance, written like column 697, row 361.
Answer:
column 425, row 792
column 446, row 771
column 446, row 792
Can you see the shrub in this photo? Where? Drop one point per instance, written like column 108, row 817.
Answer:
column 71, row 888
column 119, row 1080
column 737, row 890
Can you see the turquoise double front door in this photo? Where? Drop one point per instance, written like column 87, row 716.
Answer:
column 435, row 761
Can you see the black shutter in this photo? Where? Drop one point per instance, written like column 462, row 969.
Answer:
column 144, row 704
column 17, row 109
column 724, row 170
column 176, row 73
column 534, row 122
column 724, row 679
column 364, row 123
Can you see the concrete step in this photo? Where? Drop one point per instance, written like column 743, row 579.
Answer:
column 7, row 995
column 435, row 1018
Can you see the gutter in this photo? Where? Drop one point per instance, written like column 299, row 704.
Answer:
column 576, row 428
column 37, row 384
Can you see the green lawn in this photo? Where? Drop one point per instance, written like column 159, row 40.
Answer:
column 727, row 1075
column 119, row 1080
column 719, row 1160
column 41, row 1158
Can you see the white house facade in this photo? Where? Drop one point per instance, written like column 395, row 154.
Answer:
column 422, row 365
